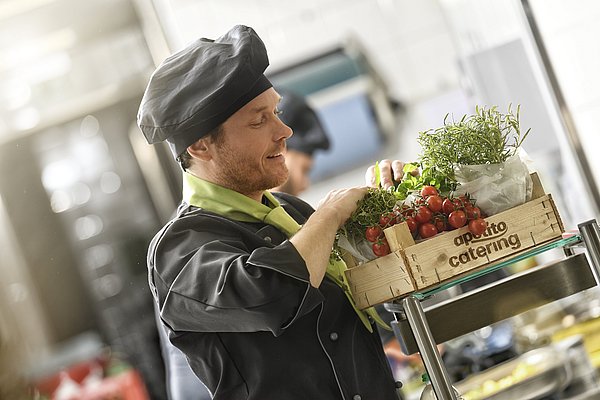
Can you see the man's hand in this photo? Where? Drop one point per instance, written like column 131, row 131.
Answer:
column 315, row 240
column 341, row 203
column 390, row 172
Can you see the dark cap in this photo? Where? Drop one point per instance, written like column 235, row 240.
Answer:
column 309, row 134
column 196, row 89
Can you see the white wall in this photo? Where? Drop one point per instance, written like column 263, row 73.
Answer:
column 408, row 41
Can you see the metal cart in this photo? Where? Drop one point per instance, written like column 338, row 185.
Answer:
column 419, row 329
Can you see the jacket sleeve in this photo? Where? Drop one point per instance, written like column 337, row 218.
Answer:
column 215, row 281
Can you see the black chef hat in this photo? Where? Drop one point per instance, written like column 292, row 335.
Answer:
column 198, row 88
column 309, row 134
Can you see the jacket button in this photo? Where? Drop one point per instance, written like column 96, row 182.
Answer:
column 398, row 384
column 334, row 336
column 356, row 397
column 268, row 239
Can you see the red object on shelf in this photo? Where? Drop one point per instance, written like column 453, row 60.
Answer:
column 125, row 386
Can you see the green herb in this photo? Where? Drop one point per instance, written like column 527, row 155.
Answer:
column 428, row 176
column 487, row 137
column 376, row 202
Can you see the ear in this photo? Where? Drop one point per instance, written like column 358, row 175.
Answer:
column 200, row 149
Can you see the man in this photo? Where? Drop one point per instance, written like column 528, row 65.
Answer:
column 308, row 137
column 243, row 278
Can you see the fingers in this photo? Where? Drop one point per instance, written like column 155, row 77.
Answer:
column 341, row 203
column 386, row 175
column 370, row 177
column 398, row 170
column 390, row 172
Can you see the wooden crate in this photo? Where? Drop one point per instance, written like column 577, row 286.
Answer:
column 417, row 266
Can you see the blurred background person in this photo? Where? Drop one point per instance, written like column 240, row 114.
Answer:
column 309, row 136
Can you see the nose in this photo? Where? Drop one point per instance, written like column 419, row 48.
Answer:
column 283, row 131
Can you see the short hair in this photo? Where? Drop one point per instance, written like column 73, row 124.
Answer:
column 215, row 136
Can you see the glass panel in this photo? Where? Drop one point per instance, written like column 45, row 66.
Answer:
column 504, row 263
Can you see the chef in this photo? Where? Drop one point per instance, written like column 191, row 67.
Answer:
column 309, row 137
column 242, row 276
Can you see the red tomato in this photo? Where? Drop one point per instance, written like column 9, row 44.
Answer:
column 407, row 211
column 472, row 212
column 459, row 203
column 424, row 214
column 381, row 248
column 387, row 220
column 440, row 222
column 457, row 218
column 412, row 224
column 477, row 226
column 434, row 202
column 427, row 191
column 373, row 233
column 448, row 206
column 427, row 230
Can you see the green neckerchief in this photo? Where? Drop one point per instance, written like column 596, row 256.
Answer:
column 234, row 205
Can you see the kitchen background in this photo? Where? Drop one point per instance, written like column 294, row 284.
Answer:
column 81, row 193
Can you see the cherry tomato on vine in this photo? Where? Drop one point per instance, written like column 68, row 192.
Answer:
column 387, row 220
column 477, row 226
column 459, row 204
column 427, row 191
column 440, row 222
column 373, row 233
column 419, row 201
column 381, row 248
column 434, row 202
column 427, row 230
column 412, row 224
column 423, row 215
column 407, row 211
column 472, row 212
column 457, row 218
column 448, row 206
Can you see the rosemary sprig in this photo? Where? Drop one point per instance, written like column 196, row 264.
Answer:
column 487, row 137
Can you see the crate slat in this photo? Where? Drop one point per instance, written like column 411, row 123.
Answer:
column 379, row 280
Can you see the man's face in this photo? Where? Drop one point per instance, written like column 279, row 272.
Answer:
column 299, row 165
column 249, row 156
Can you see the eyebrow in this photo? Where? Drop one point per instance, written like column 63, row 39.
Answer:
column 259, row 109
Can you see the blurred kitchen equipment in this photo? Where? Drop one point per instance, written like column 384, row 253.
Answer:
column 533, row 375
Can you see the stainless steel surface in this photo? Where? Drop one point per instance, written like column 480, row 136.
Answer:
column 591, row 236
column 533, row 375
column 500, row 300
column 431, row 358
column 593, row 394
column 565, row 114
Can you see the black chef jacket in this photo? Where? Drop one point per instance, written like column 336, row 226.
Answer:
column 236, row 299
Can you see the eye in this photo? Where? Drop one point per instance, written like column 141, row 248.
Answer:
column 259, row 122
column 278, row 111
